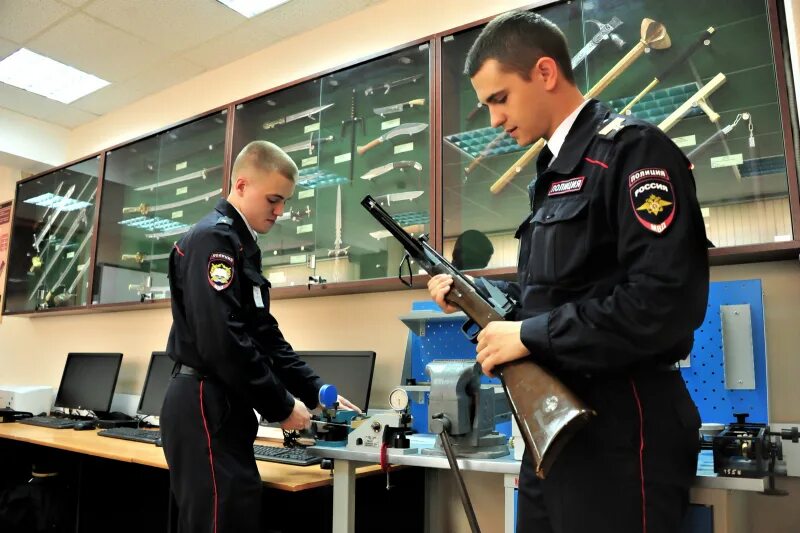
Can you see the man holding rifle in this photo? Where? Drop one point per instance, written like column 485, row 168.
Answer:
column 612, row 281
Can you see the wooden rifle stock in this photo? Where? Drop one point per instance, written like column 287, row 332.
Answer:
column 546, row 412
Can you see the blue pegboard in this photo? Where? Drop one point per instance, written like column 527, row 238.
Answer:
column 705, row 378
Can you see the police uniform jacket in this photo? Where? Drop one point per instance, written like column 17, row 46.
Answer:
column 613, row 265
column 222, row 325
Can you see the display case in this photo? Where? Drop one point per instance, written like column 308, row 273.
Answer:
column 153, row 191
column 702, row 71
column 357, row 131
column 48, row 261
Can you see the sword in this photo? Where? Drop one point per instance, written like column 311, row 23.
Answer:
column 146, row 291
column 140, row 258
column 70, row 232
column 168, row 233
column 604, row 33
column 397, row 108
column 69, row 266
column 296, row 116
column 405, row 129
column 401, row 165
column 387, row 199
column 64, row 218
column 306, row 145
column 179, row 179
column 61, row 299
column 62, row 203
column 145, row 209
column 337, row 250
column 389, row 85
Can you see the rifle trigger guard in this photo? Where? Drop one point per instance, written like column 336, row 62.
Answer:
column 470, row 333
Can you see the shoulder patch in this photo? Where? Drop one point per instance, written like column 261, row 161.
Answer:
column 220, row 271
column 652, row 198
column 228, row 221
column 609, row 127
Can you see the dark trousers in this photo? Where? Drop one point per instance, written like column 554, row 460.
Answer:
column 628, row 471
column 208, row 442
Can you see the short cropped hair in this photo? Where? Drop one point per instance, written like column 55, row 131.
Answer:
column 517, row 40
column 264, row 155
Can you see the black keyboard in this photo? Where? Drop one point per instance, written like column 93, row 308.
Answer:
column 49, row 422
column 138, row 435
column 289, row 456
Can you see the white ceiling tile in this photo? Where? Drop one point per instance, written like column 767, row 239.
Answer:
column 22, row 19
column 97, row 48
column 175, row 25
column 36, row 106
column 160, row 77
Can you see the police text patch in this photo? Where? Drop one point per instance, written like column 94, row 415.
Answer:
column 566, row 186
column 652, row 198
column 220, row 270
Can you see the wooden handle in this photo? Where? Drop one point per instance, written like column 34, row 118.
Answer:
column 713, row 116
column 512, row 172
column 702, row 94
column 369, row 146
column 634, row 54
column 419, row 101
column 639, row 96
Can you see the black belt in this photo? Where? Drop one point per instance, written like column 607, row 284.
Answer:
column 187, row 371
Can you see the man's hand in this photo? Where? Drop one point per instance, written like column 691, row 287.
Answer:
column 439, row 286
column 344, row 403
column 299, row 419
column 499, row 342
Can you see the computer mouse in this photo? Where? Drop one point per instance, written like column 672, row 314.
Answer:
column 84, row 424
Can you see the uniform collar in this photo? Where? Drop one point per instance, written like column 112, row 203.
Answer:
column 246, row 223
column 560, row 135
column 240, row 225
column 581, row 133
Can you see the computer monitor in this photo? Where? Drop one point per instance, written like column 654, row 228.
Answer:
column 88, row 381
column 155, row 384
column 350, row 372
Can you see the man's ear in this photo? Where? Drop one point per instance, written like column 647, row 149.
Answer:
column 546, row 69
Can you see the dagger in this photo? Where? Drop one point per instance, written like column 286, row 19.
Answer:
column 378, row 171
column 306, row 145
column 396, row 108
column 144, row 209
column 404, row 129
column 398, row 197
column 389, row 85
column 60, row 205
column 295, row 116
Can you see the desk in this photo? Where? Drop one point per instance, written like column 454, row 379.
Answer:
column 292, row 481
column 274, row 475
column 709, row 489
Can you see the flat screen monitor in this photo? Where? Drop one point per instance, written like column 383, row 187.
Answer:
column 350, row 372
column 88, row 381
column 155, row 384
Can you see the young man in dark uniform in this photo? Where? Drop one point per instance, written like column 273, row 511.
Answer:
column 612, row 281
column 231, row 357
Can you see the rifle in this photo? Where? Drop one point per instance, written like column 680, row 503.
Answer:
column 546, row 412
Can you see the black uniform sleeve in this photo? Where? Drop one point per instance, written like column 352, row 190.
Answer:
column 662, row 258
column 293, row 372
column 224, row 343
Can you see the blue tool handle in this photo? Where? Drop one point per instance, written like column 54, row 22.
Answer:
column 328, row 395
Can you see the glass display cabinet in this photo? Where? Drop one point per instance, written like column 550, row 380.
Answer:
column 703, row 72
column 48, row 261
column 361, row 130
column 153, row 191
